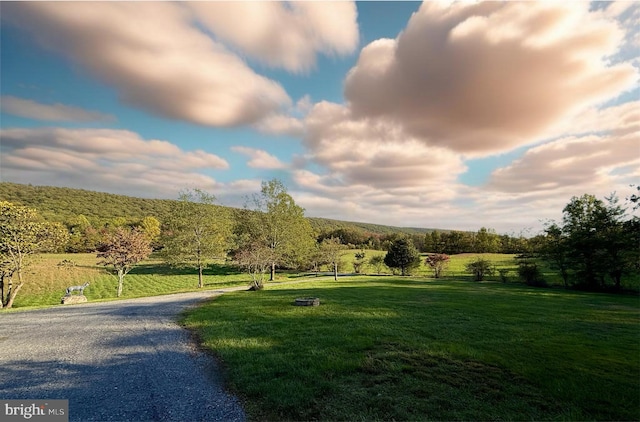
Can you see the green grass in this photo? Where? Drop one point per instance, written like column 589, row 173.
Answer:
column 390, row 348
column 46, row 282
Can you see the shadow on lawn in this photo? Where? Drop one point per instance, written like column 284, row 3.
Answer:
column 164, row 269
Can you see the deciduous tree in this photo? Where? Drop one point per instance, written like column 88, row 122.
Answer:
column 331, row 251
column 256, row 259
column 480, row 268
column 437, row 262
column 377, row 262
column 122, row 250
column 196, row 232
column 278, row 223
column 23, row 232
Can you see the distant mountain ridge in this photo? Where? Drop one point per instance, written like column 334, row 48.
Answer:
column 64, row 204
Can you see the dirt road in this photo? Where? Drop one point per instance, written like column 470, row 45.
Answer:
column 114, row 361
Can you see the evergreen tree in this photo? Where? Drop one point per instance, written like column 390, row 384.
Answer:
column 403, row 255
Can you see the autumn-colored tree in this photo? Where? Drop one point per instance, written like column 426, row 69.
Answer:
column 150, row 226
column 23, row 232
column 437, row 262
column 122, row 250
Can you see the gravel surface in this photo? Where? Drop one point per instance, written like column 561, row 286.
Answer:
column 125, row 360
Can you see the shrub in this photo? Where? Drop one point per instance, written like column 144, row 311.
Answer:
column 503, row 274
column 530, row 273
column 437, row 262
column 480, row 268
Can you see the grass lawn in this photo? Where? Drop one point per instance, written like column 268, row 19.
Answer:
column 385, row 348
column 46, row 281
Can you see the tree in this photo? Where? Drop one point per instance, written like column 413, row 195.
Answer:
column 437, row 262
column 359, row 261
column 256, row 259
column 596, row 240
column 196, row 232
column 331, row 251
column 377, row 262
column 23, row 233
column 486, row 241
column 150, row 226
column 403, row 255
column 122, row 250
column 279, row 224
column 479, row 268
column 554, row 250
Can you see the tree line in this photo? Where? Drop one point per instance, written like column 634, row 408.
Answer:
column 594, row 247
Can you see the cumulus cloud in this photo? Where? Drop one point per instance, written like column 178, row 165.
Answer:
column 371, row 169
column 112, row 160
column 482, row 78
column 260, row 159
column 280, row 124
column 377, row 153
column 155, row 56
column 50, row 112
column 283, row 34
column 589, row 162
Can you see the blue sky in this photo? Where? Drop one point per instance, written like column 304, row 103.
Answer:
column 446, row 115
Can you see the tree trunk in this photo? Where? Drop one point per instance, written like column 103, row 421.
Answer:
column 12, row 295
column 120, row 281
column 272, row 277
column 200, row 282
column 335, row 271
column 1, row 291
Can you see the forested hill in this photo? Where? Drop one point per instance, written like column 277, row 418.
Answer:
column 65, row 204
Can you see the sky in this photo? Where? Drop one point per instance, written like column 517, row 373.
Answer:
column 451, row 115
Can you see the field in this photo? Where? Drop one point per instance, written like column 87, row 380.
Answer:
column 391, row 348
column 383, row 347
column 46, row 280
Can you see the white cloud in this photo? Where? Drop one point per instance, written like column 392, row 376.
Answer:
column 283, row 34
column 280, row 124
column 155, row 57
column 111, row 160
column 259, row 159
column 483, row 78
column 50, row 112
column 586, row 163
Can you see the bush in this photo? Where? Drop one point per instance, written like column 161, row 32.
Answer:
column 437, row 262
column 480, row 268
column 504, row 274
column 530, row 273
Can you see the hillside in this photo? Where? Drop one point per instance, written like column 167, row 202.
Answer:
column 64, row 204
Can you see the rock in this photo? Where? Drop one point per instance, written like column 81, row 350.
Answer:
column 73, row 299
column 307, row 301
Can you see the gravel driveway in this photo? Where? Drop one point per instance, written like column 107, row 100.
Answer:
column 114, row 361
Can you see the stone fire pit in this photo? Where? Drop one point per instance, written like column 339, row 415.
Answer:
column 307, row 301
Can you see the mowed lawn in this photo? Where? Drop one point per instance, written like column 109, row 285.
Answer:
column 392, row 348
column 46, row 279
